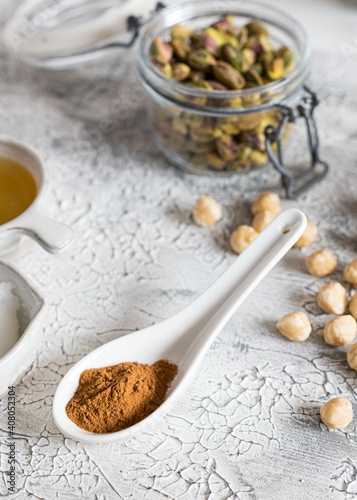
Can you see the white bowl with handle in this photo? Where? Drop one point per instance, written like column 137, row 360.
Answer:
column 52, row 236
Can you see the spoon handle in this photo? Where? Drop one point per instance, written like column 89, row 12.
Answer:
column 208, row 314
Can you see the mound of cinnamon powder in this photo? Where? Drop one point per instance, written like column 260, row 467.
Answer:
column 116, row 397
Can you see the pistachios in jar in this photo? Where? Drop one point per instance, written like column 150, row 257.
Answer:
column 229, row 144
column 220, row 57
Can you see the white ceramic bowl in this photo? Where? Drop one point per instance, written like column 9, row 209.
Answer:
column 51, row 235
column 18, row 360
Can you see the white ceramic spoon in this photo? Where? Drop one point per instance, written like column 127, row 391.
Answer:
column 184, row 338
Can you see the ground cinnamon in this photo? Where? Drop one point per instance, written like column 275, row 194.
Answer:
column 116, row 397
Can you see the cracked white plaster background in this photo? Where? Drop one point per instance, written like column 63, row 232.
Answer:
column 248, row 426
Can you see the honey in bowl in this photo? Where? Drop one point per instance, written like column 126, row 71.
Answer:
column 18, row 189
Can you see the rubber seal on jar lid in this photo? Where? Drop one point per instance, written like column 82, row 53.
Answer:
column 45, row 30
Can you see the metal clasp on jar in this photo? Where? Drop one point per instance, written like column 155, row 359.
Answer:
column 294, row 186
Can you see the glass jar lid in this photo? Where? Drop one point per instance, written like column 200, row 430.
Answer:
column 61, row 33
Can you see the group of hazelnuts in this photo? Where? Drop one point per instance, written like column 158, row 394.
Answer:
column 266, row 207
column 331, row 298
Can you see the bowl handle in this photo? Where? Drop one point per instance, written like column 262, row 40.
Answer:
column 51, row 235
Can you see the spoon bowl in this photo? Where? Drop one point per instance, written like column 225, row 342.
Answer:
column 184, row 338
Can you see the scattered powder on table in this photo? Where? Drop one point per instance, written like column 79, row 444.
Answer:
column 113, row 398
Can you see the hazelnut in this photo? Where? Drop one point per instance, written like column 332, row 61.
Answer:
column 242, row 237
column 337, row 413
column 308, row 237
column 266, row 201
column 352, row 356
column 332, row 298
column 350, row 273
column 262, row 219
column 321, row 263
column 207, row 211
column 295, row 326
column 353, row 306
column 340, row 331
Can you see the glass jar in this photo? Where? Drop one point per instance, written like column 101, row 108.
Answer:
column 200, row 130
column 216, row 131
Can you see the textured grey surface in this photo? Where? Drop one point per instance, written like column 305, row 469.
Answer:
column 248, row 426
